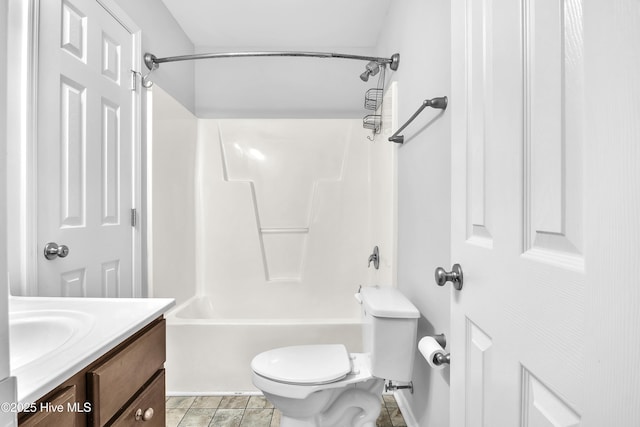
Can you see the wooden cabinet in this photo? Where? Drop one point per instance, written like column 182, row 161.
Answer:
column 54, row 413
column 125, row 387
column 114, row 382
column 145, row 408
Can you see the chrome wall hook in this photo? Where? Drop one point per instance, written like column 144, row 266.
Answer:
column 152, row 65
column 146, row 83
column 375, row 257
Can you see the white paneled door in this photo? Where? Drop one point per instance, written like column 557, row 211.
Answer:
column 85, row 151
column 521, row 349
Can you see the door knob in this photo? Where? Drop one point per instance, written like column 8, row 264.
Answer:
column 53, row 250
column 454, row 276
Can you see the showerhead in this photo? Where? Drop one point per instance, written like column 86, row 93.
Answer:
column 372, row 69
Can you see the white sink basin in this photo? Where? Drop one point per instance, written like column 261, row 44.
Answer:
column 36, row 334
column 53, row 338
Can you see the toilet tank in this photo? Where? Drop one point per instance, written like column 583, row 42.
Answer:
column 389, row 331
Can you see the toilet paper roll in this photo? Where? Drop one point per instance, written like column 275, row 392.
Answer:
column 429, row 347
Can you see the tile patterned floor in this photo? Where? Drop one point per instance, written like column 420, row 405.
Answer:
column 248, row 411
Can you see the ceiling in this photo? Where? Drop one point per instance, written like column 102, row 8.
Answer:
column 281, row 24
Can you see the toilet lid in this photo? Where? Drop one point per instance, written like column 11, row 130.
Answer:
column 305, row 364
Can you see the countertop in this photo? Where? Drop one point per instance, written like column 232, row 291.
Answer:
column 106, row 322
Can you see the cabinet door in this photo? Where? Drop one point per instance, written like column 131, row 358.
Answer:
column 113, row 383
column 148, row 408
column 57, row 413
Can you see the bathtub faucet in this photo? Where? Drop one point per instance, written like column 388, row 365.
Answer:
column 375, row 257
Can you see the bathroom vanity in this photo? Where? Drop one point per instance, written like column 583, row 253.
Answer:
column 105, row 368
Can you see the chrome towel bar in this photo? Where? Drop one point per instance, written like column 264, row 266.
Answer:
column 439, row 103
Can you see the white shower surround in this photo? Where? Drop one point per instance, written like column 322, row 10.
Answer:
column 282, row 218
column 286, row 213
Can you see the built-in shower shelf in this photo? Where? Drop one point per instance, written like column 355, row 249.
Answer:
column 283, row 251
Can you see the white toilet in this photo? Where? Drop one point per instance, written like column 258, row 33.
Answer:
column 324, row 385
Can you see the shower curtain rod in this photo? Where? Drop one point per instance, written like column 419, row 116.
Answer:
column 152, row 62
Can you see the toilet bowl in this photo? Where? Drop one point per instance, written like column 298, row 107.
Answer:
column 324, row 385
column 319, row 385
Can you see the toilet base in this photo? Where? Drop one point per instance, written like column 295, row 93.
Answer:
column 357, row 405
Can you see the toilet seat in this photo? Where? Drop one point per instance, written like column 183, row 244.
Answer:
column 359, row 373
column 304, row 365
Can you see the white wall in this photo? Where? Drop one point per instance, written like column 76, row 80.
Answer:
column 420, row 31
column 162, row 36
column 4, row 337
column 281, row 87
column 7, row 385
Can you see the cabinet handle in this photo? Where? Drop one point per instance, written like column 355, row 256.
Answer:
column 144, row 416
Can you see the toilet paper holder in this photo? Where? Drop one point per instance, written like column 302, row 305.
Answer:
column 440, row 359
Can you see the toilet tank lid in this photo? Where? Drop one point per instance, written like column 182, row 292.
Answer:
column 386, row 301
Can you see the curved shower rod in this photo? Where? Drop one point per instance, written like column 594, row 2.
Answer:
column 153, row 62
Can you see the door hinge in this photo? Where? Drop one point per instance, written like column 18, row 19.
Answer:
column 134, row 80
column 134, row 217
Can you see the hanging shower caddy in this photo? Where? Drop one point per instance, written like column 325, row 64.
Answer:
column 373, row 101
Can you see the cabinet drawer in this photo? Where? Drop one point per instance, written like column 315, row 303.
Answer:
column 57, row 410
column 113, row 383
column 152, row 398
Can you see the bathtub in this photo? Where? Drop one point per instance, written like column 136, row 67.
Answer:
column 210, row 353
